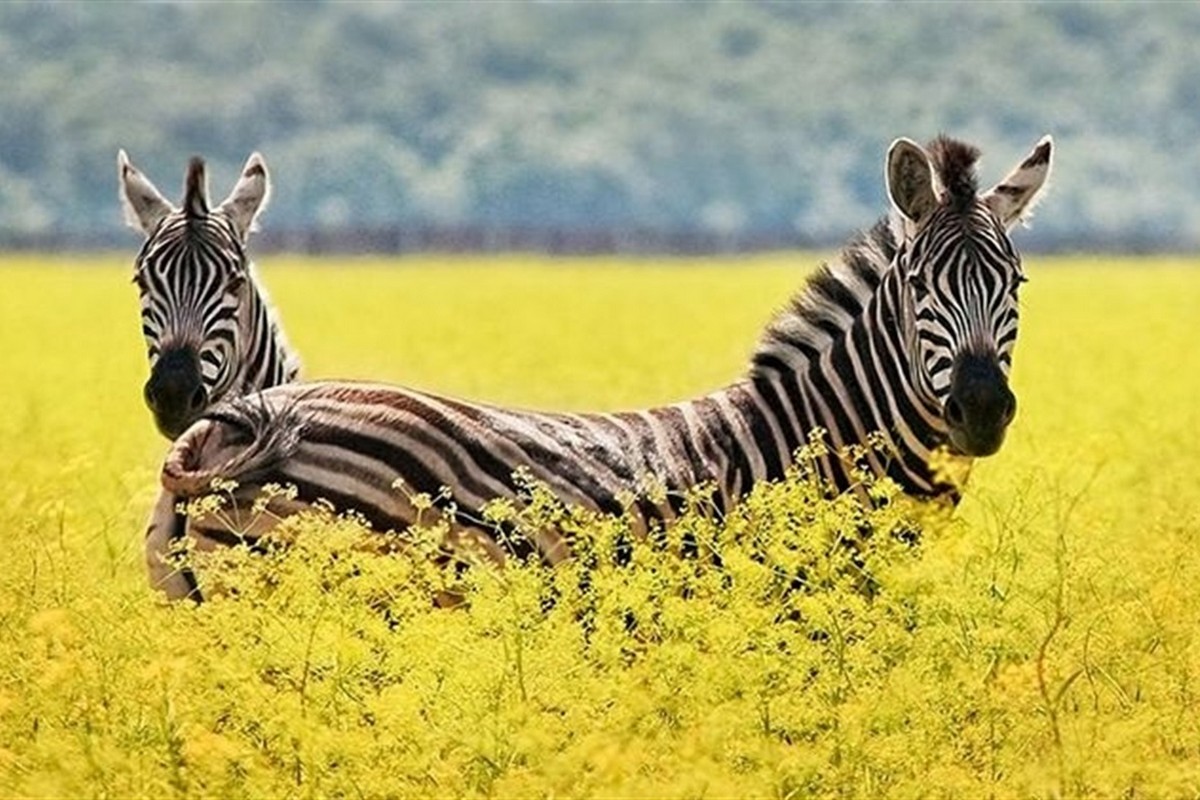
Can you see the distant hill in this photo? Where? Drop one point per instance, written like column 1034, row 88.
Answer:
column 733, row 122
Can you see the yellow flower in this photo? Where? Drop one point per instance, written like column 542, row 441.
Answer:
column 949, row 468
column 54, row 625
column 204, row 748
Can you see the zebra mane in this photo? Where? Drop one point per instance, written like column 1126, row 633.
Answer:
column 195, row 189
column 954, row 162
column 827, row 305
column 835, row 295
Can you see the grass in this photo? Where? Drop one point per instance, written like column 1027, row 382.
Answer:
column 1042, row 642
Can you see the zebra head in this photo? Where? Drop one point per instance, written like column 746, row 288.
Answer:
column 194, row 280
column 960, row 276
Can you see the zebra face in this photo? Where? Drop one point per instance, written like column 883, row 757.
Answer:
column 961, row 276
column 190, row 304
column 962, row 286
column 192, row 279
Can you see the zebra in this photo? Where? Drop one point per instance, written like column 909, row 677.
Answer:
column 907, row 335
column 211, row 331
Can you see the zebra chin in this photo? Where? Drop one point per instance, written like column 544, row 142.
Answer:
column 173, row 427
column 977, row 443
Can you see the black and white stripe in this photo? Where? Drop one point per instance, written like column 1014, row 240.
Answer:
column 878, row 341
column 211, row 332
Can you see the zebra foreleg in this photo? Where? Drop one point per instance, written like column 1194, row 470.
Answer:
column 165, row 529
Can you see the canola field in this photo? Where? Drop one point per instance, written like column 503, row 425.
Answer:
column 1044, row 641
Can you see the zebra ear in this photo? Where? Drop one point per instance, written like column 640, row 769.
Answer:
column 910, row 180
column 1013, row 199
column 249, row 197
column 143, row 205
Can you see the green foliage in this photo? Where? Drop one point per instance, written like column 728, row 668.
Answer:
column 1042, row 641
column 719, row 116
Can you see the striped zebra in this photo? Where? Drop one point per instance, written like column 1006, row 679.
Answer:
column 211, row 332
column 907, row 335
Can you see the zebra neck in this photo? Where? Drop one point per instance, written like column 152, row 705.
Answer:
column 269, row 359
column 858, row 388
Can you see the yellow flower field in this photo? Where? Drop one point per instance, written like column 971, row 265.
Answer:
column 1043, row 641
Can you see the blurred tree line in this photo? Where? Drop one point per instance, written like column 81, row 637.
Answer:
column 666, row 126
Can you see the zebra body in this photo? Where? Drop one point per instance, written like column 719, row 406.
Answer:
column 211, row 331
column 908, row 334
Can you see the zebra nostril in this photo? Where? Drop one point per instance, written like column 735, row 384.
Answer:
column 150, row 396
column 1010, row 407
column 954, row 413
column 199, row 398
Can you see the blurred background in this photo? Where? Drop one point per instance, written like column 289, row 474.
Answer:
column 667, row 127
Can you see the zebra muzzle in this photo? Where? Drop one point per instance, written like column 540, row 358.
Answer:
column 175, row 392
column 980, row 405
